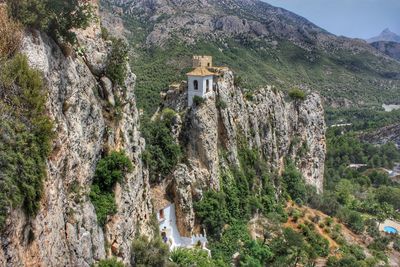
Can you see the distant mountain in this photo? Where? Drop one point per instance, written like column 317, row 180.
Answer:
column 387, row 36
column 261, row 43
column 392, row 49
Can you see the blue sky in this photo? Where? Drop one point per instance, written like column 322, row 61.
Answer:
column 352, row 18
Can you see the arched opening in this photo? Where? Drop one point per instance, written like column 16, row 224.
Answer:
column 207, row 86
column 208, row 64
column 196, row 85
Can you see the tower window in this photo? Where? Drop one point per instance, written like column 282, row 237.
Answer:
column 207, row 86
column 196, row 85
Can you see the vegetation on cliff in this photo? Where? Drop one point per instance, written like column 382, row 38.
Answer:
column 162, row 151
column 56, row 17
column 109, row 170
column 26, row 133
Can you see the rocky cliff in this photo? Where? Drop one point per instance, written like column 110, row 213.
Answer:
column 81, row 103
column 391, row 49
column 276, row 127
column 89, row 122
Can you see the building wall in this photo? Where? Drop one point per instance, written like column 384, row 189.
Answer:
column 202, row 91
column 168, row 225
column 202, row 61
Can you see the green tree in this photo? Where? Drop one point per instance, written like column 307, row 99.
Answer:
column 297, row 94
column 56, row 17
column 191, row 257
column 116, row 67
column 211, row 211
column 26, row 134
column 109, row 170
column 149, row 253
column 162, row 152
column 295, row 185
column 113, row 262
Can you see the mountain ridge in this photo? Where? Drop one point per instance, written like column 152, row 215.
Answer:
column 386, row 35
column 265, row 45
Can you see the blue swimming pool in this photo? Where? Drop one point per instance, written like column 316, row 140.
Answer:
column 390, row 230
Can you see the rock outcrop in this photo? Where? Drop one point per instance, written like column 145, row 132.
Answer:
column 384, row 135
column 276, row 127
column 80, row 101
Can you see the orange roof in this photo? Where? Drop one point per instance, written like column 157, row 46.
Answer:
column 201, row 71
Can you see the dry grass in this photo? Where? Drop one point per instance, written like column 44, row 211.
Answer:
column 10, row 34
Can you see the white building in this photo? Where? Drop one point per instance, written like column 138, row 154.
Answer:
column 201, row 79
column 167, row 222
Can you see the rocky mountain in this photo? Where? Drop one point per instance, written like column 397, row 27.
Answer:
column 215, row 136
column 65, row 231
column 261, row 43
column 391, row 49
column 83, row 103
column 384, row 135
column 386, row 36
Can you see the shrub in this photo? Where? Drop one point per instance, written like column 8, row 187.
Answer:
column 162, row 152
column 211, row 211
column 396, row 244
column 249, row 96
column 352, row 219
column 297, row 94
column 149, row 253
column 104, row 204
column 113, row 262
column 198, row 100
column 25, row 139
column 56, row 17
column 238, row 81
column 11, row 34
column 295, row 185
column 109, row 171
column 191, row 257
column 117, row 62
column 221, row 104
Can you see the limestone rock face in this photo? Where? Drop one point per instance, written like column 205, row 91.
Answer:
column 65, row 232
column 278, row 128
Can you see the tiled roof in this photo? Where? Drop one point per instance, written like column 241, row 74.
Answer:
column 200, row 72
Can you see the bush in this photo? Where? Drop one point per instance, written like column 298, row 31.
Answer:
column 198, row 100
column 149, row 253
column 56, row 17
column 113, row 262
column 25, row 139
column 396, row 244
column 162, row 152
column 297, row 94
column 211, row 211
column 109, row 171
column 11, row 34
column 221, row 104
column 352, row 219
column 104, row 204
column 191, row 257
column 295, row 185
column 117, row 62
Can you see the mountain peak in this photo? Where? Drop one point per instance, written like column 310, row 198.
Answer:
column 386, row 35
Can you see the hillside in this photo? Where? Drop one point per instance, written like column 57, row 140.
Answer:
column 261, row 43
column 391, row 49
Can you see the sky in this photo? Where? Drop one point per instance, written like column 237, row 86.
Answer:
column 351, row 18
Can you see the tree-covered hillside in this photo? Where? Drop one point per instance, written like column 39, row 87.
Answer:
column 266, row 52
